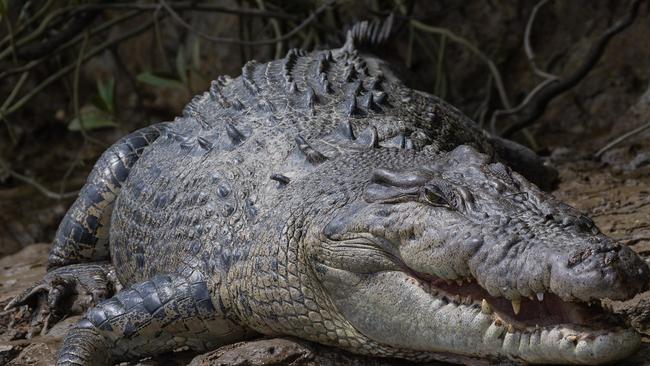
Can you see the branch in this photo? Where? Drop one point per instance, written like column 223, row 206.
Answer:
column 529, row 49
column 42, row 189
column 537, row 105
column 42, row 10
column 46, row 45
column 65, row 70
column 98, row 29
column 192, row 6
column 458, row 39
column 621, row 138
column 208, row 37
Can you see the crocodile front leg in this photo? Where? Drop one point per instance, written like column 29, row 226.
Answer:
column 66, row 291
column 153, row 317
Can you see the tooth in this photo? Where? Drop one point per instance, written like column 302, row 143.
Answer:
column 540, row 296
column 498, row 322
column 516, row 305
column 572, row 338
column 485, row 307
column 511, row 328
column 459, row 282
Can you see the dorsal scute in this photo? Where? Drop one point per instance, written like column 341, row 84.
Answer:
column 248, row 77
column 305, row 82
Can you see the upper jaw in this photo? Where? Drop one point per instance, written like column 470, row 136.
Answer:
column 575, row 270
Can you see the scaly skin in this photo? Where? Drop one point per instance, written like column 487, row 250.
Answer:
column 317, row 196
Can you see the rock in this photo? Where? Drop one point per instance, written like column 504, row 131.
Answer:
column 8, row 352
column 286, row 351
column 36, row 354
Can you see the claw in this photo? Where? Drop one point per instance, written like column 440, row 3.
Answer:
column 64, row 291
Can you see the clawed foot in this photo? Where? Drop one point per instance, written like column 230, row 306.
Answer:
column 65, row 291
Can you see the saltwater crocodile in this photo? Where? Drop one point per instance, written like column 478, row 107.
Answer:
column 316, row 196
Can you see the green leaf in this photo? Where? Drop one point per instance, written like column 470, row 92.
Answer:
column 106, row 94
column 151, row 79
column 181, row 64
column 93, row 118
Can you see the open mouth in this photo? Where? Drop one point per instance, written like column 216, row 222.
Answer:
column 524, row 314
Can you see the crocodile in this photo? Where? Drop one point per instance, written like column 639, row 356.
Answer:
column 317, row 196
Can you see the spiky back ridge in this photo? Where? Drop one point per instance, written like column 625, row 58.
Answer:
column 339, row 81
column 307, row 99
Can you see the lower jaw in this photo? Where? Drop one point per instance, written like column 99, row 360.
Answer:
column 552, row 344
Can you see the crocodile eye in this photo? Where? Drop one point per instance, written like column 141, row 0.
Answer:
column 435, row 197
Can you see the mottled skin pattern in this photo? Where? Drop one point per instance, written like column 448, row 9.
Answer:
column 316, row 196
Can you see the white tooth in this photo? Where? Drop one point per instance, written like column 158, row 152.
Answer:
column 485, row 307
column 572, row 338
column 540, row 296
column 516, row 306
column 459, row 282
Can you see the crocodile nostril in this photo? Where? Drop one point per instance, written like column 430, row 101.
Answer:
column 549, row 217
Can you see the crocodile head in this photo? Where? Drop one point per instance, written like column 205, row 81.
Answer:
column 462, row 256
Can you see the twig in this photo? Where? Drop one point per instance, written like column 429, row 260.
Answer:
column 12, row 41
column 458, row 39
column 75, row 88
column 285, row 36
column 276, row 30
column 65, row 70
column 98, row 29
column 520, row 106
column 529, row 49
column 621, row 138
column 42, row 26
column 42, row 189
column 14, row 92
column 68, row 172
column 440, row 63
column 30, row 65
column 79, row 22
column 537, row 105
column 192, row 6
column 42, row 10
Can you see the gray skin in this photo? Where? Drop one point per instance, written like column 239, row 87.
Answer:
column 317, row 196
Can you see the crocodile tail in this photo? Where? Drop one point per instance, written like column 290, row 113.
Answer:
column 369, row 34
